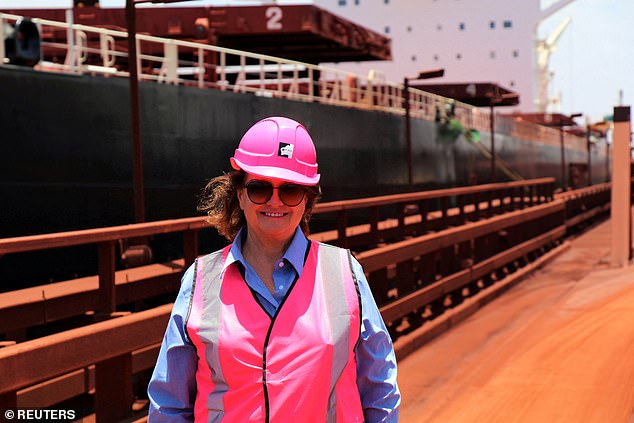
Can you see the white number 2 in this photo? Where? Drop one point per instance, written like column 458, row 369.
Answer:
column 274, row 18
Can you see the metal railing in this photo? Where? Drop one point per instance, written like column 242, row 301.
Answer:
column 81, row 49
column 388, row 218
column 395, row 216
column 418, row 279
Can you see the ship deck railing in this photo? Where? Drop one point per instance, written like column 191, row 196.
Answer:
column 81, row 49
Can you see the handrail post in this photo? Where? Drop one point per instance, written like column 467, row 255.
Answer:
column 547, row 192
column 490, row 201
column 423, row 208
column 9, row 400
column 190, row 246
column 374, row 224
column 529, row 192
column 113, row 389
column 107, row 292
column 401, row 219
column 342, row 223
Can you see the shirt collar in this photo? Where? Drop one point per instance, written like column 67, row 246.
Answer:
column 294, row 254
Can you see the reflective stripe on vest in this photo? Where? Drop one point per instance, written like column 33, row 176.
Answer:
column 299, row 364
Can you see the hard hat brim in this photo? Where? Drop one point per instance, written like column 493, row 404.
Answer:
column 281, row 174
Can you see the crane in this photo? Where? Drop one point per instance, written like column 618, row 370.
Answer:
column 544, row 49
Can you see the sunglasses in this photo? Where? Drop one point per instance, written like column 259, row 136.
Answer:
column 260, row 192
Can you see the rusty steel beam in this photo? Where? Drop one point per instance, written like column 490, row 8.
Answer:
column 424, row 195
column 582, row 192
column 507, row 256
column 94, row 236
column 442, row 287
column 34, row 361
column 422, row 221
column 82, row 381
column 114, row 233
column 56, row 390
column 44, row 304
column 382, row 257
column 582, row 217
column 401, row 307
column 71, row 238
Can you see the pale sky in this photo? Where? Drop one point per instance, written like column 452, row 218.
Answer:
column 593, row 61
column 595, row 56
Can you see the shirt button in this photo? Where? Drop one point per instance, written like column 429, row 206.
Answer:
column 281, row 264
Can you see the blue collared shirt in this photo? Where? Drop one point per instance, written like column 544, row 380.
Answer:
column 172, row 389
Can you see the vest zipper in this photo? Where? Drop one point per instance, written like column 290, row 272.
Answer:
column 265, row 349
column 264, row 387
column 268, row 336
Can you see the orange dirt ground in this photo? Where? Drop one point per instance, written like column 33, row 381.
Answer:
column 557, row 348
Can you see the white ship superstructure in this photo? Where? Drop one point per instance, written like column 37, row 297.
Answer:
column 473, row 40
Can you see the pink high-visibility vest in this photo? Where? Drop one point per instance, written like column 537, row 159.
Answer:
column 299, row 365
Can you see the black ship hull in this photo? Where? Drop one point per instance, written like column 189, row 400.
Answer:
column 66, row 162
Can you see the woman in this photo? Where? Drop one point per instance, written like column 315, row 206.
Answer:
column 273, row 327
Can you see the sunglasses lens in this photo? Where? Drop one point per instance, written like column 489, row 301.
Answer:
column 259, row 191
column 291, row 194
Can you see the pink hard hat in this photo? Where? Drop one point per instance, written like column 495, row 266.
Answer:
column 280, row 148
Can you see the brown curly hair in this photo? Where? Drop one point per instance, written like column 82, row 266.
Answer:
column 219, row 200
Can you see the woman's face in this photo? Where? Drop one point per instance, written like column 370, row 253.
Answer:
column 272, row 220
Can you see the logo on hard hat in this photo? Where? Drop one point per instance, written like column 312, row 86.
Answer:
column 285, row 150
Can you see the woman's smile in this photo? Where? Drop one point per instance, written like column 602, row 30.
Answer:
column 274, row 214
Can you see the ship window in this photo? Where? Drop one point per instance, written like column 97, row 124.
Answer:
column 492, row 24
column 439, row 27
column 512, row 83
column 386, row 1
column 492, row 54
column 413, row 58
column 461, row 26
column 508, row 24
column 409, row 28
column 342, row 2
column 516, row 53
column 356, row 2
column 435, row 57
column 387, row 29
column 458, row 56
